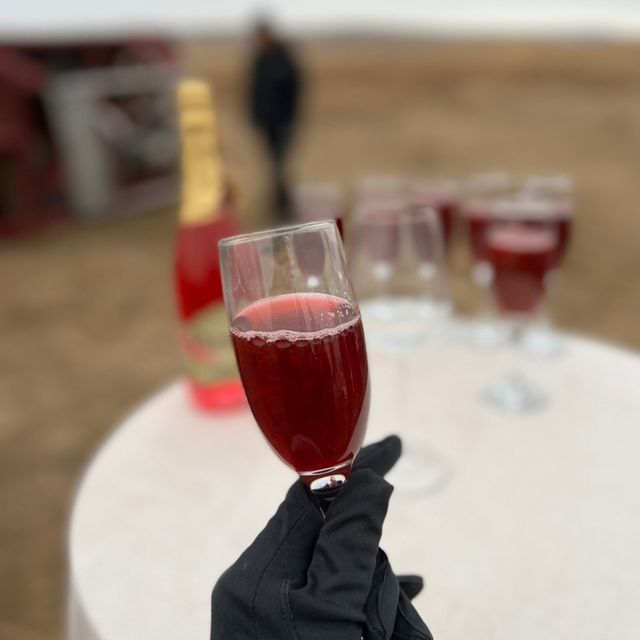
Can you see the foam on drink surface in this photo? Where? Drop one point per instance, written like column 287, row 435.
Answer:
column 322, row 315
column 521, row 239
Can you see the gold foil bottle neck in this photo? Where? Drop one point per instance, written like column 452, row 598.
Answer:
column 203, row 179
column 194, row 93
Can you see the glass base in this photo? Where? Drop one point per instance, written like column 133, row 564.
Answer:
column 515, row 394
column 487, row 334
column 542, row 341
column 419, row 472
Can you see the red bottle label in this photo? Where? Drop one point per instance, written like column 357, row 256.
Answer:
column 206, row 347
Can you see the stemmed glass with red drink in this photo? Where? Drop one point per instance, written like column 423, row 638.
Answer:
column 481, row 190
column 556, row 190
column 521, row 254
column 300, row 350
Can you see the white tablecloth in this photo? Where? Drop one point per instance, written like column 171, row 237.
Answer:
column 536, row 534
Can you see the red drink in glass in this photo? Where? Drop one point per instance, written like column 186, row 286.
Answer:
column 562, row 225
column 520, row 256
column 303, row 363
column 478, row 218
column 557, row 191
column 559, row 216
column 446, row 211
column 564, row 233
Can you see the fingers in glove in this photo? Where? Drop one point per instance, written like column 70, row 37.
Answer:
column 379, row 456
column 345, row 554
column 409, row 625
column 412, row 585
column 290, row 536
column 382, row 602
column 284, row 547
column 282, row 550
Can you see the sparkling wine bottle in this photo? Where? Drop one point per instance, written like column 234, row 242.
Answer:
column 206, row 216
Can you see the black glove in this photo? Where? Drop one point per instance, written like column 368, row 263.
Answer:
column 305, row 578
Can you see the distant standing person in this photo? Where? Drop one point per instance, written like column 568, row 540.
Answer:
column 274, row 98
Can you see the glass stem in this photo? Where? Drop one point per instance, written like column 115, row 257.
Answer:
column 514, row 393
column 516, row 328
column 486, row 305
column 543, row 317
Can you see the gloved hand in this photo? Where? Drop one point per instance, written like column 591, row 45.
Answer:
column 305, row 578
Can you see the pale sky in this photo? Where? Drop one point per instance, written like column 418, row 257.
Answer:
column 592, row 17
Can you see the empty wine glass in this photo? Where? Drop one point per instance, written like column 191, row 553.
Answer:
column 398, row 269
column 300, row 350
column 440, row 194
column 397, row 266
column 521, row 253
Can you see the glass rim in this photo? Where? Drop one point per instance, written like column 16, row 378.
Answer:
column 563, row 182
column 276, row 232
column 404, row 215
column 519, row 207
column 489, row 183
column 500, row 226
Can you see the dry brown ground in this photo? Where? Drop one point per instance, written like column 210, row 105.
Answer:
column 87, row 312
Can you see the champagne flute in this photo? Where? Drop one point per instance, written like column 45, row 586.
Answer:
column 300, row 350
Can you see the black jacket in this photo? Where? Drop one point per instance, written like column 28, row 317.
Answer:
column 275, row 88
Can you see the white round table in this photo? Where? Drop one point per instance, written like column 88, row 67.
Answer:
column 536, row 534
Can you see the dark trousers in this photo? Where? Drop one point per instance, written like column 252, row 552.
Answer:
column 278, row 139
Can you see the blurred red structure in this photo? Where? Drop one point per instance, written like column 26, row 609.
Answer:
column 32, row 177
